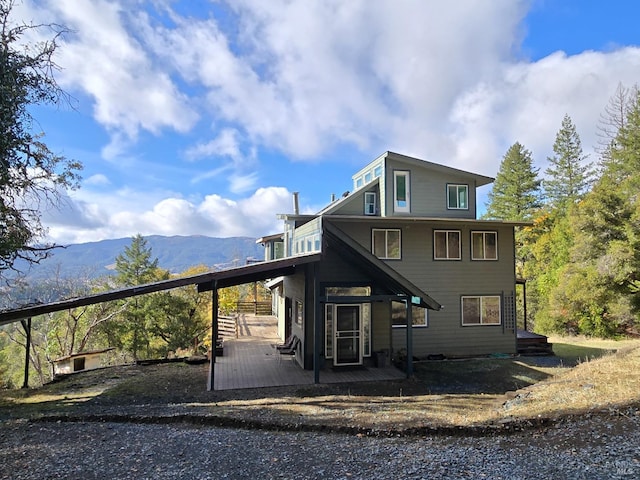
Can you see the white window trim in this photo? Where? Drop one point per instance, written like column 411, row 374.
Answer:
column 484, row 246
column 406, row 208
column 481, row 324
column 457, row 186
column 369, row 201
column 459, row 257
column 386, row 242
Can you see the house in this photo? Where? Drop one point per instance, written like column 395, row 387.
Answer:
column 404, row 247
column 78, row 362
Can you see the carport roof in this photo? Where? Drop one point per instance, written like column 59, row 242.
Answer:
column 223, row 278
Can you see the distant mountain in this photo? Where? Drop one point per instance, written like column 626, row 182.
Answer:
column 175, row 254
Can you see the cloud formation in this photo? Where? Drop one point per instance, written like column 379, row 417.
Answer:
column 445, row 81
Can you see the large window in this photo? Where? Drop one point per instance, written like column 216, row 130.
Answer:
column 419, row 317
column 446, row 245
column 299, row 313
column 458, row 197
column 401, row 192
column 386, row 243
column 369, row 203
column 481, row 310
column 484, row 245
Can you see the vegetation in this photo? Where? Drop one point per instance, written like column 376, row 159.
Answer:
column 157, row 325
column 581, row 256
column 31, row 175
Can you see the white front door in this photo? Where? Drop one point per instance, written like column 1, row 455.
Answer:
column 348, row 341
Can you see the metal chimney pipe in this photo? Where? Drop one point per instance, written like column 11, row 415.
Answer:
column 333, row 197
column 296, row 206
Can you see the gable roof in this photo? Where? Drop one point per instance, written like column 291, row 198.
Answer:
column 356, row 254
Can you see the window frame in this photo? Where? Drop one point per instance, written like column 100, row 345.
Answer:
column 484, row 257
column 407, row 191
column 368, row 203
column 415, row 308
column 386, row 243
column 298, row 314
column 459, row 257
column 481, row 311
column 457, row 186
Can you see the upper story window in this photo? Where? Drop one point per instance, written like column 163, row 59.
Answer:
column 481, row 310
column 386, row 243
column 369, row 203
column 484, row 245
column 401, row 191
column 446, row 245
column 458, row 197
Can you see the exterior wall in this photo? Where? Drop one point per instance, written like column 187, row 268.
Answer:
column 428, row 191
column 446, row 281
column 294, row 288
column 91, row 362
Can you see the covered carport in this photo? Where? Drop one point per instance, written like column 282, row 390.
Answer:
column 210, row 281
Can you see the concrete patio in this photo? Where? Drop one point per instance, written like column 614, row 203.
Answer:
column 252, row 361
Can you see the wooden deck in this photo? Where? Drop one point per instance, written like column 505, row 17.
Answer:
column 252, row 361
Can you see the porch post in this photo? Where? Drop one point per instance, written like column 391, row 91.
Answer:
column 317, row 325
column 214, row 334
column 409, row 338
column 27, row 329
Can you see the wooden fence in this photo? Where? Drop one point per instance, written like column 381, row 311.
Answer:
column 227, row 326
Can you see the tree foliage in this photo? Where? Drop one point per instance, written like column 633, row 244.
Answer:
column 31, row 175
column 568, row 176
column 516, row 191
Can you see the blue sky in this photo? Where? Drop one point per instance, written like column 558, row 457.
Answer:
column 202, row 117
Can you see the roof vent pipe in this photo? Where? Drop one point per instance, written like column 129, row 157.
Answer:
column 333, row 197
column 296, row 207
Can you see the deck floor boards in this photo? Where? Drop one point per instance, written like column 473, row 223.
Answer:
column 252, row 361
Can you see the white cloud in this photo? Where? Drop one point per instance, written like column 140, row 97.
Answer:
column 117, row 216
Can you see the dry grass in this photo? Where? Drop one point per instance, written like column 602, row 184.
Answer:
column 444, row 394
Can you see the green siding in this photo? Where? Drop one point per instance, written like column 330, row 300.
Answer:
column 446, row 281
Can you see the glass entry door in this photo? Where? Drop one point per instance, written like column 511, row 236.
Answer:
column 348, row 350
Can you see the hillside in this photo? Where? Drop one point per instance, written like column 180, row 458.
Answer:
column 175, row 254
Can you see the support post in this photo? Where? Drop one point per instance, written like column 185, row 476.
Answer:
column 27, row 330
column 409, row 337
column 317, row 324
column 214, row 334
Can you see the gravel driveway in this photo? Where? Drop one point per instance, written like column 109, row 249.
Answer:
column 601, row 447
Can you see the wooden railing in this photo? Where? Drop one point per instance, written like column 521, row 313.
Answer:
column 228, row 326
column 255, row 308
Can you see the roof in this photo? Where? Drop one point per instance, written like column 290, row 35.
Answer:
column 83, row 354
column 480, row 180
column 355, row 253
column 333, row 206
column 404, row 219
column 223, row 278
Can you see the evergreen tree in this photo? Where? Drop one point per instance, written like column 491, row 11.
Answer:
column 516, row 191
column 568, row 177
column 135, row 266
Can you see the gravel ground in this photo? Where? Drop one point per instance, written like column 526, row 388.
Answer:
column 599, row 447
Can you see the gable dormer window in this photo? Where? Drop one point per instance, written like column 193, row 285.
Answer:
column 458, row 197
column 401, row 191
column 369, row 203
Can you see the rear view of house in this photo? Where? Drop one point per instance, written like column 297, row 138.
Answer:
column 404, row 247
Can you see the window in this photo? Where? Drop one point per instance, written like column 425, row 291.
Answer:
column 401, row 192
column 457, row 197
column 299, row 313
column 386, row 243
column 446, row 245
column 359, row 182
column 419, row 316
column 369, row 203
column 484, row 245
column 481, row 310
column 377, row 171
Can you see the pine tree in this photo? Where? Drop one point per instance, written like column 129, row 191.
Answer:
column 516, row 191
column 135, row 267
column 568, row 176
